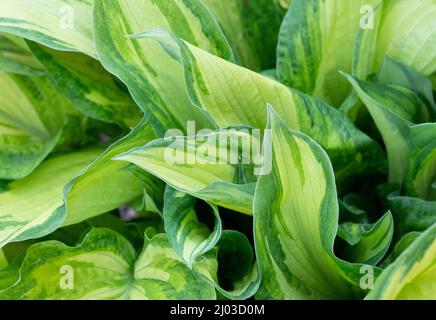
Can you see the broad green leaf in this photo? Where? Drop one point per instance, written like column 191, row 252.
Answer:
column 154, row 78
column 9, row 274
column 408, row 34
column 72, row 235
column 252, row 28
column 99, row 268
column 370, row 242
column 433, row 79
column 396, row 78
column 161, row 274
column 207, row 167
column 421, row 171
column 295, row 223
column 105, row 266
column 400, row 246
column 43, row 210
column 59, row 24
column 28, row 129
column 3, row 260
column 413, row 274
column 396, row 73
column 231, row 267
column 15, row 58
column 189, row 237
column 234, row 95
column 411, row 214
column 394, row 129
column 89, row 86
column 317, row 40
column 104, row 184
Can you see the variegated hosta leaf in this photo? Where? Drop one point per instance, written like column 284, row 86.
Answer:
column 234, row 95
column 161, row 274
column 394, row 129
column 421, row 171
column 368, row 243
column 72, row 188
column 413, row 274
column 42, row 211
column 231, row 267
column 89, row 86
column 411, row 214
column 295, row 223
column 99, row 268
column 59, row 24
column 232, row 257
column 105, row 184
column 154, row 78
column 15, row 57
column 366, row 39
column 28, row 129
column 207, row 167
column 317, row 40
column 189, row 237
column 400, row 246
column 400, row 100
column 396, row 73
column 105, row 266
column 252, row 28
column 413, row 44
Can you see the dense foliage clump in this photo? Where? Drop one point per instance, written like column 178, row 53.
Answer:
column 203, row 149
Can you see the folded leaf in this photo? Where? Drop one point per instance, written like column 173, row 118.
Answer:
column 189, row 237
column 207, row 167
column 317, row 40
column 371, row 242
column 413, row 274
column 295, row 223
column 160, row 274
column 43, row 210
column 89, row 86
column 28, row 130
column 154, row 78
column 230, row 267
column 59, row 24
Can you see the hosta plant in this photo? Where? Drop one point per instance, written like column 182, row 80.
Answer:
column 217, row 149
